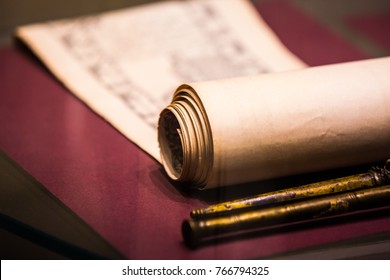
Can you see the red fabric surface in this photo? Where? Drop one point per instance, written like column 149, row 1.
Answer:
column 373, row 26
column 118, row 189
column 310, row 41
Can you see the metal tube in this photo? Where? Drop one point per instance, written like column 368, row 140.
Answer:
column 374, row 177
column 194, row 231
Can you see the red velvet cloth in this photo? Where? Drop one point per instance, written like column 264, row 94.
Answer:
column 118, row 189
column 374, row 26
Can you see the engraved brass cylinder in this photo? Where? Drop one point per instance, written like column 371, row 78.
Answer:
column 195, row 231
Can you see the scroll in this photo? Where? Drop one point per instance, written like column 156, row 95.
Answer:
column 125, row 64
column 238, row 130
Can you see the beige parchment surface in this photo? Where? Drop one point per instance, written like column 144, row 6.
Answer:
column 280, row 124
column 125, row 64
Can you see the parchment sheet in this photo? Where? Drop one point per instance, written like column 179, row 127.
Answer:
column 125, row 64
column 230, row 131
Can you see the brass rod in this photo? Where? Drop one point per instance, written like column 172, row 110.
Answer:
column 373, row 178
column 195, row 231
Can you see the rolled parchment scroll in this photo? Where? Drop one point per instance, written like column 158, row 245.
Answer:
column 238, row 130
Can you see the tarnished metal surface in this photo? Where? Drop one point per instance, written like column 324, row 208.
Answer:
column 307, row 202
column 195, row 231
column 374, row 177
